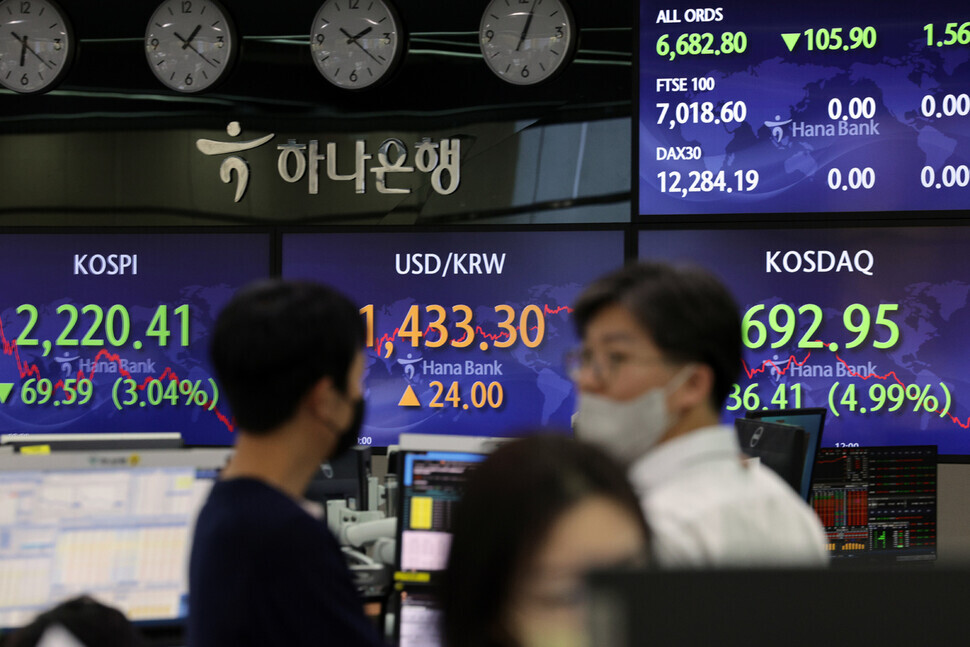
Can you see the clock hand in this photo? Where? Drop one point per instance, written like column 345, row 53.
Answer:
column 28, row 49
column 23, row 48
column 185, row 43
column 353, row 39
column 528, row 21
column 363, row 33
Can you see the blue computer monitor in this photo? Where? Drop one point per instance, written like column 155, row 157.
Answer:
column 108, row 332
column 467, row 334
column 812, row 420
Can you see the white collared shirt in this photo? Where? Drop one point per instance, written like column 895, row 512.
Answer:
column 706, row 507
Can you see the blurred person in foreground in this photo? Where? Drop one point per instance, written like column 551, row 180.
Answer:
column 78, row 622
column 263, row 571
column 535, row 516
column 661, row 349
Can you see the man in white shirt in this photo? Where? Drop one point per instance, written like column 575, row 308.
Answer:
column 661, row 350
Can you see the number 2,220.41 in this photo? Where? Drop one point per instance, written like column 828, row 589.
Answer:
column 116, row 323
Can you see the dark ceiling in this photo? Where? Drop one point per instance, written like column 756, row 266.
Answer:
column 442, row 79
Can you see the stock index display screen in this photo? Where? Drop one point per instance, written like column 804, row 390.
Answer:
column 467, row 331
column 109, row 332
column 870, row 323
column 803, row 107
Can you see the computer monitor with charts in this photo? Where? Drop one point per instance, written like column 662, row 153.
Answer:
column 432, row 483
column 877, row 503
column 116, row 525
column 812, row 420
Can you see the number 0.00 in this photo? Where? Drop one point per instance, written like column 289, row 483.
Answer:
column 859, row 108
column 954, row 105
column 950, row 176
column 864, row 178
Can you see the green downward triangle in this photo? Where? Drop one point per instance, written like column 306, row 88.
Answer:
column 791, row 40
column 5, row 390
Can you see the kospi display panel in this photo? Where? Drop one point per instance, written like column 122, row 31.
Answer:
column 109, row 332
column 467, row 331
column 869, row 323
column 803, row 107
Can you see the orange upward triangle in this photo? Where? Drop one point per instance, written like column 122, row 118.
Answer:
column 409, row 399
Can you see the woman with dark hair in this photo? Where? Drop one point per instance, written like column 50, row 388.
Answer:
column 82, row 621
column 535, row 516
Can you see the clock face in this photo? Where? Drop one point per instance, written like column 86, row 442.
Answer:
column 36, row 45
column 527, row 41
column 191, row 44
column 357, row 43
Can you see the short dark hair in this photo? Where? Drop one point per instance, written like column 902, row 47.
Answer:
column 274, row 340
column 688, row 312
column 510, row 503
column 92, row 623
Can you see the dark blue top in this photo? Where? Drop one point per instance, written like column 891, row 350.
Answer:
column 263, row 572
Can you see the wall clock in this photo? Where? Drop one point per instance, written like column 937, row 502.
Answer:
column 36, row 45
column 526, row 42
column 191, row 44
column 357, row 44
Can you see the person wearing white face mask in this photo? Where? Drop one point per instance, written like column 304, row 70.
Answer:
column 660, row 352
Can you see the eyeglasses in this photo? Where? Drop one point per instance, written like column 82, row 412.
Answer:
column 606, row 367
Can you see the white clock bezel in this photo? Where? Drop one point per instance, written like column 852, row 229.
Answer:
column 348, row 60
column 53, row 34
column 197, row 60
column 549, row 28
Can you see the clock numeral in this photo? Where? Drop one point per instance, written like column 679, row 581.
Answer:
column 25, row 8
column 319, row 39
column 559, row 32
column 188, row 79
column 186, row 6
column 353, row 76
column 353, row 4
column 525, row 72
column 489, row 35
column 24, row 80
column 153, row 43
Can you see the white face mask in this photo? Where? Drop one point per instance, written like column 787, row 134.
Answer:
column 627, row 430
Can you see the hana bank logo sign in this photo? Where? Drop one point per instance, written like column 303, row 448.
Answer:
column 440, row 160
column 233, row 162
